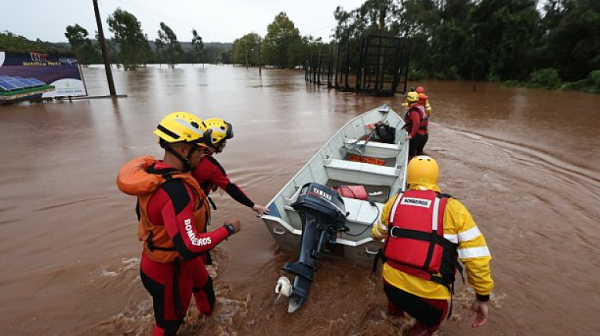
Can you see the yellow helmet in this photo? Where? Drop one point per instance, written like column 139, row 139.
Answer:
column 217, row 130
column 412, row 97
column 423, row 171
column 180, row 127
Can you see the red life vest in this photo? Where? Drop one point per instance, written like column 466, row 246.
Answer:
column 415, row 242
column 423, row 119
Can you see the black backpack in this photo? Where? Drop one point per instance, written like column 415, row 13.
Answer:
column 385, row 133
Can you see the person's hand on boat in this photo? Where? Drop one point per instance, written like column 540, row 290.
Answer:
column 233, row 223
column 480, row 310
column 260, row 209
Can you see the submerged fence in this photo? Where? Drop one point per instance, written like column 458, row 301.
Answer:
column 378, row 65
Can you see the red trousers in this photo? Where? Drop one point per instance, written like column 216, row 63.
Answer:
column 171, row 286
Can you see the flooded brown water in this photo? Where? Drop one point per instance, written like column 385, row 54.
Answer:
column 525, row 162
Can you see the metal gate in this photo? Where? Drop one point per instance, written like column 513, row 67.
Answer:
column 380, row 68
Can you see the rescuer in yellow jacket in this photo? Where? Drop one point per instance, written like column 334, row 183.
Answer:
column 428, row 109
column 413, row 96
column 426, row 232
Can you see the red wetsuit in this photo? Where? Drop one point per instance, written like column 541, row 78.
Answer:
column 209, row 172
column 172, row 267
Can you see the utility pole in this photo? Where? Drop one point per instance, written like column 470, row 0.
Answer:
column 109, row 77
column 246, row 47
column 259, row 66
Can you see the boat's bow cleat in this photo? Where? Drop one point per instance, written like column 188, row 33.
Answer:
column 323, row 215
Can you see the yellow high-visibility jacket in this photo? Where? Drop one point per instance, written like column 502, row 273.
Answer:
column 459, row 227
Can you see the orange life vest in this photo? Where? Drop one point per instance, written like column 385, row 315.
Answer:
column 141, row 179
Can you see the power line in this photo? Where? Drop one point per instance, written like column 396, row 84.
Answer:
column 162, row 16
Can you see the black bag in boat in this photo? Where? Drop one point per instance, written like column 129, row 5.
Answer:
column 385, row 133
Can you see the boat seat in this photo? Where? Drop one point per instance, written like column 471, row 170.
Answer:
column 377, row 149
column 360, row 167
column 362, row 212
column 360, row 173
column 289, row 201
column 375, row 144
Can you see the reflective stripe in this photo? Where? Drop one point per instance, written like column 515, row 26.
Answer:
column 474, row 252
column 381, row 229
column 451, row 237
column 434, row 218
column 393, row 212
column 469, row 234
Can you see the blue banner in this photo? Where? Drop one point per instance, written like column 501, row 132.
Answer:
column 39, row 75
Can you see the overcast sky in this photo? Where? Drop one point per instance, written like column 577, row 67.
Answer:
column 215, row 21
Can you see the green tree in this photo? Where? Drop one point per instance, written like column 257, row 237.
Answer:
column 299, row 51
column 281, row 34
column 503, row 32
column 86, row 51
column 17, row 43
column 245, row 49
column 225, row 57
column 365, row 20
column 418, row 20
column 446, row 49
column 77, row 36
column 486, row 39
column 572, row 42
column 132, row 43
column 197, row 46
column 167, row 45
column 159, row 52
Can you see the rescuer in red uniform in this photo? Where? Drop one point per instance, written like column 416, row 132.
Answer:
column 426, row 234
column 210, row 174
column 173, row 214
column 416, row 121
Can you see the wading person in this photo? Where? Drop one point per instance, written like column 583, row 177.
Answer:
column 210, row 174
column 428, row 110
column 173, row 213
column 426, row 232
column 416, row 123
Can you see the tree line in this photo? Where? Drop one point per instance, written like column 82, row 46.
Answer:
column 131, row 48
column 281, row 47
column 539, row 43
column 536, row 43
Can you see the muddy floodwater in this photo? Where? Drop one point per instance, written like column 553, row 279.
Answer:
column 525, row 162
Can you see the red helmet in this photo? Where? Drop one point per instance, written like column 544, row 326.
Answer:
column 420, row 89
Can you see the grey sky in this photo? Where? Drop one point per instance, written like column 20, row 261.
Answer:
column 215, row 21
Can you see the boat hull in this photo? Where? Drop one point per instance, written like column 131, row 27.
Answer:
column 331, row 166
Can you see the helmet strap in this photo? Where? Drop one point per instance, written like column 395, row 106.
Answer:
column 219, row 147
column 186, row 162
column 190, row 153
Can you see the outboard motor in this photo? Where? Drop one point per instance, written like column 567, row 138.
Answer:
column 323, row 215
